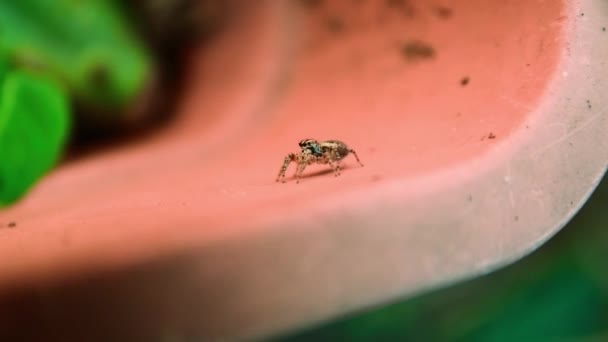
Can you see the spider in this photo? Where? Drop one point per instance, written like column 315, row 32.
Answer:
column 313, row 152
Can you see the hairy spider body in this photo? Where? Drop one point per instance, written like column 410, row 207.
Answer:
column 313, row 152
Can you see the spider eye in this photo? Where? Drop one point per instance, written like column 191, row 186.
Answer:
column 305, row 142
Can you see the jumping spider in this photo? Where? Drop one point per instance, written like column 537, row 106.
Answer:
column 313, row 152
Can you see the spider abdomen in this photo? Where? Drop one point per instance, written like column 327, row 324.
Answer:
column 339, row 148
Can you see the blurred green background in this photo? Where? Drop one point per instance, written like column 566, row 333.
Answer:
column 558, row 293
column 55, row 56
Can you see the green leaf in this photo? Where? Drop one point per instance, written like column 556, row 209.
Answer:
column 34, row 127
column 89, row 46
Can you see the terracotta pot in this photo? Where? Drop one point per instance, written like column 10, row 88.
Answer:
column 480, row 124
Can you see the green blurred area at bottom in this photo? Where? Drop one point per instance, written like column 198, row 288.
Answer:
column 558, row 293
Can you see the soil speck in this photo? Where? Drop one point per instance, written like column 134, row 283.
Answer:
column 603, row 29
column 311, row 3
column 489, row 136
column 335, row 24
column 589, row 104
column 444, row 12
column 12, row 224
column 464, row 81
column 395, row 3
column 403, row 6
column 416, row 49
column 376, row 178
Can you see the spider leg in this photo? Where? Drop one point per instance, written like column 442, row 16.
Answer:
column 288, row 159
column 335, row 165
column 356, row 156
column 301, row 166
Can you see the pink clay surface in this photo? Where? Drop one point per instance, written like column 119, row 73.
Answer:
column 251, row 97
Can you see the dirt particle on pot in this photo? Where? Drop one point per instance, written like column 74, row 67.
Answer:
column 376, row 178
column 335, row 24
column 464, row 81
column 444, row 12
column 416, row 49
column 604, row 29
column 311, row 3
column 402, row 6
column 589, row 104
column 582, row 14
column 12, row 224
column 516, row 218
column 470, row 198
column 488, row 136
